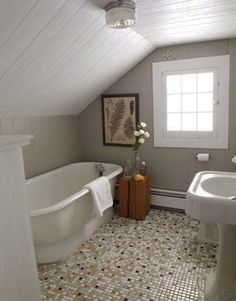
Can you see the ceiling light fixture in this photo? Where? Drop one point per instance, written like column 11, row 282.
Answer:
column 120, row 14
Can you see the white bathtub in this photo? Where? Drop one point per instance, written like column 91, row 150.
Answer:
column 62, row 213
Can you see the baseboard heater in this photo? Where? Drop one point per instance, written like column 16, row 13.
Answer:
column 168, row 198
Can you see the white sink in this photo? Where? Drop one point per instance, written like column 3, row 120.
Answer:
column 211, row 197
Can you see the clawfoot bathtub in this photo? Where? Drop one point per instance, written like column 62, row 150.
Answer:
column 62, row 212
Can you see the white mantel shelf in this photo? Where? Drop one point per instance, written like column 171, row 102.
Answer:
column 11, row 141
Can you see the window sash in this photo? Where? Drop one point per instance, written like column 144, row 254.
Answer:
column 221, row 63
column 189, row 134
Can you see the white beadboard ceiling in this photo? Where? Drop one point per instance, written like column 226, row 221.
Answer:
column 56, row 56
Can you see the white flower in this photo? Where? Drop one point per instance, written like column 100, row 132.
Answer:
column 141, row 132
column 234, row 159
column 147, row 135
column 136, row 133
column 143, row 124
column 141, row 140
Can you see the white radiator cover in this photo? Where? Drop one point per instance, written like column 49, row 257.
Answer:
column 168, row 198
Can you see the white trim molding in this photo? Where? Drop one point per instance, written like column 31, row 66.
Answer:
column 218, row 137
column 12, row 141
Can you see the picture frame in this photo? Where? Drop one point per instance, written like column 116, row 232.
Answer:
column 120, row 117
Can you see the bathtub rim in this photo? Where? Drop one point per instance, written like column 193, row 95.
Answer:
column 72, row 198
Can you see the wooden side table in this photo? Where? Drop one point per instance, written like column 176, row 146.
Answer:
column 134, row 198
column 124, row 197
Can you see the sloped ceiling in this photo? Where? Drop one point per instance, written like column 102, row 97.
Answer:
column 167, row 22
column 56, row 56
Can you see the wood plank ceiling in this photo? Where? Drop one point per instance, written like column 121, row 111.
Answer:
column 166, row 22
column 57, row 56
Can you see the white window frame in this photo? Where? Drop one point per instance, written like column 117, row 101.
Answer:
column 188, row 134
column 218, row 138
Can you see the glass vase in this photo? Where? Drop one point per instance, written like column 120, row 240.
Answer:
column 128, row 169
column 136, row 164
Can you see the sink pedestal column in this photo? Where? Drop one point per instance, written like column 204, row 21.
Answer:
column 222, row 282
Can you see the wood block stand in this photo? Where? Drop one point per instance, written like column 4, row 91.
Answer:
column 134, row 198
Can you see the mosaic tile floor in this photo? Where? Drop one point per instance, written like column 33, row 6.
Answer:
column 127, row 260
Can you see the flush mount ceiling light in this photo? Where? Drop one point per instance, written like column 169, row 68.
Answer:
column 120, row 14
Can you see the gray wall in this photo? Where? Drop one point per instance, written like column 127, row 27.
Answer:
column 169, row 167
column 56, row 141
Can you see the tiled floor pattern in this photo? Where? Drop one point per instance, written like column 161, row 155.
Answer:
column 156, row 259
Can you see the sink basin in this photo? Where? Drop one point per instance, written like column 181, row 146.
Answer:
column 211, row 197
column 220, row 186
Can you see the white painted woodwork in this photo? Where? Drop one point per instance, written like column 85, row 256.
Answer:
column 52, row 47
column 168, row 22
column 139, row 52
column 57, row 56
column 11, row 14
column 168, row 202
column 218, row 137
column 18, row 270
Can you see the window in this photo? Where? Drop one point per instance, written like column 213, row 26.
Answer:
column 191, row 102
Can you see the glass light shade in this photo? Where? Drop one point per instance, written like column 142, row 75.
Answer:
column 120, row 17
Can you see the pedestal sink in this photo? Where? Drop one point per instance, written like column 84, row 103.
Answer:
column 211, row 197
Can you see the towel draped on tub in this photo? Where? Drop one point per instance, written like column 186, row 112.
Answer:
column 101, row 193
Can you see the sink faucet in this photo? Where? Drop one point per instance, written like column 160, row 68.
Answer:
column 99, row 167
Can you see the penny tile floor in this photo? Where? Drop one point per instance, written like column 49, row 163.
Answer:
column 126, row 260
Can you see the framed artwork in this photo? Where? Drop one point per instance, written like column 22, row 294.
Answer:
column 120, row 118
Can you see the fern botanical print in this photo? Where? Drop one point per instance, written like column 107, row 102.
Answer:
column 116, row 117
column 120, row 117
column 129, row 127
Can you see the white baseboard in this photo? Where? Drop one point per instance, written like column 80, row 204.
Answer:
column 168, row 202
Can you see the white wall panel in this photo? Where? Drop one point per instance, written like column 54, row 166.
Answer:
column 173, row 22
column 18, row 273
column 87, row 44
column 56, row 141
column 50, row 50
column 34, row 48
column 122, row 61
column 26, row 32
column 12, row 13
column 48, row 55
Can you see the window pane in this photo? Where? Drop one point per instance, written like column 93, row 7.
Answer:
column 189, row 83
column 205, row 102
column 189, row 122
column 205, row 82
column 173, row 83
column 189, row 103
column 205, row 122
column 173, row 103
column 173, row 122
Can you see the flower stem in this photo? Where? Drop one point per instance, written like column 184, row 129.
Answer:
column 135, row 162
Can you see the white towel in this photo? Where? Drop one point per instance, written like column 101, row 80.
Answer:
column 101, row 194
